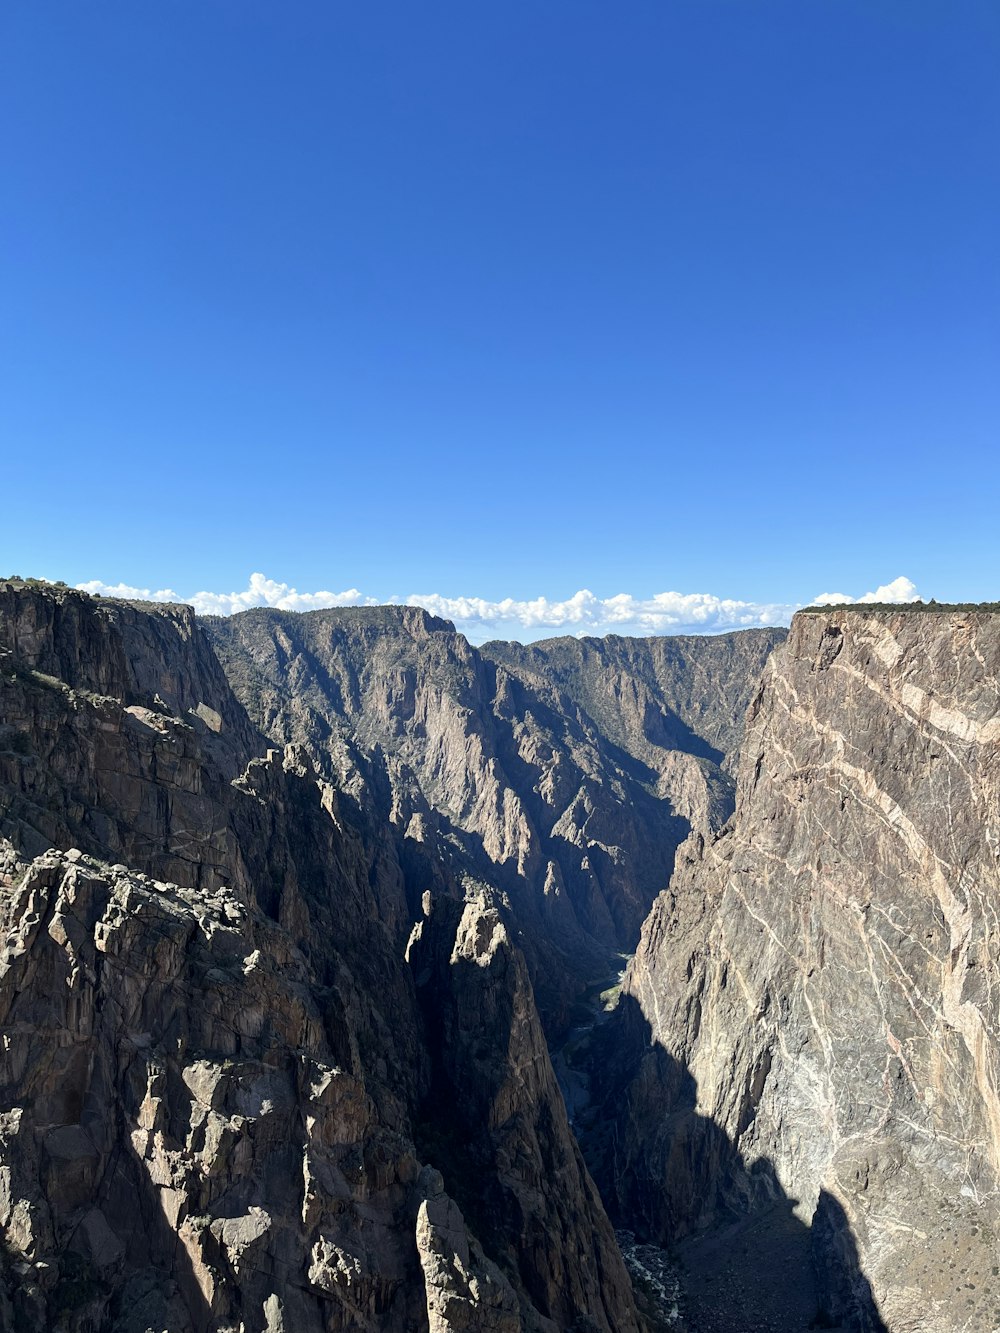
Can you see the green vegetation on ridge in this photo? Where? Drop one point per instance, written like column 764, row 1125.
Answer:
column 932, row 606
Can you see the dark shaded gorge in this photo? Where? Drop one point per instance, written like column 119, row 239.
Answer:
column 747, row 1262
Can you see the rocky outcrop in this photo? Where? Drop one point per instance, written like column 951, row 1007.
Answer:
column 92, row 758
column 509, row 1138
column 811, row 1019
column 464, row 1290
column 216, row 1063
column 189, row 1139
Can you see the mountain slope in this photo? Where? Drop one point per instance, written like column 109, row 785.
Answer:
column 220, row 1077
column 675, row 703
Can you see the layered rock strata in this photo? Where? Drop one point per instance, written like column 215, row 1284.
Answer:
column 811, row 1019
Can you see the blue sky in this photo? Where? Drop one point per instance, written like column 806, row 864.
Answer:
column 502, row 302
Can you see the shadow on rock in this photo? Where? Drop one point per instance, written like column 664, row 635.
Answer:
column 495, row 1125
column 842, row 1285
column 749, row 1263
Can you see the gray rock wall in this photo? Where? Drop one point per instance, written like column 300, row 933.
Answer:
column 216, row 1066
column 812, row 1014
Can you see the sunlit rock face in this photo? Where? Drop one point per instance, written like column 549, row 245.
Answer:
column 812, row 1013
column 219, row 1084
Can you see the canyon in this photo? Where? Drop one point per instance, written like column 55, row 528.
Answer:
column 503, row 763
column 304, row 913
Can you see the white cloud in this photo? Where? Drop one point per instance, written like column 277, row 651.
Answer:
column 125, row 590
column 584, row 613
column 480, row 619
column 899, row 590
column 261, row 591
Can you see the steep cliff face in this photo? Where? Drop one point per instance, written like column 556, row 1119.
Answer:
column 812, row 1014
column 685, row 693
column 509, row 1139
column 567, row 786
column 119, row 733
column 216, row 1068
column 675, row 704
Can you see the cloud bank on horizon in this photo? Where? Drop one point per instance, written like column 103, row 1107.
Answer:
column 899, row 590
column 480, row 619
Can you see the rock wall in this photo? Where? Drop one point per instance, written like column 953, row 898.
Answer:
column 676, row 704
column 812, row 1015
column 509, row 1139
column 217, row 1067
